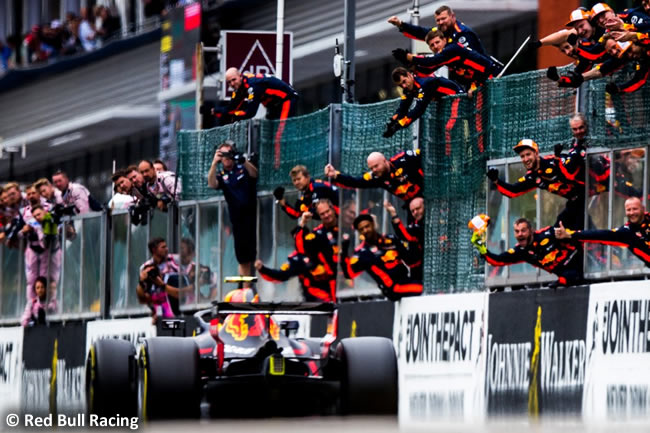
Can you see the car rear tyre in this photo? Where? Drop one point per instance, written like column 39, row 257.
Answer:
column 368, row 375
column 111, row 378
column 170, row 382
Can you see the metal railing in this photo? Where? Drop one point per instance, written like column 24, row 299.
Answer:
column 605, row 209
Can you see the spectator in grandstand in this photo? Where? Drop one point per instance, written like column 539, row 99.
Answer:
column 381, row 256
column 311, row 191
column 446, row 22
column 35, row 50
column 154, row 8
column 468, row 68
column 152, row 289
column 279, row 98
column 159, row 166
column 238, row 181
column 165, row 186
column 71, row 42
column 106, row 24
column 412, row 235
column 422, row 91
column 48, row 192
column 402, row 175
column 73, row 193
column 34, row 313
column 6, row 54
column 43, row 252
column 545, row 173
column 87, row 34
column 541, row 249
column 634, row 234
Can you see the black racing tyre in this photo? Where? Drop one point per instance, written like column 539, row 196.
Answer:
column 368, row 375
column 169, row 380
column 111, row 374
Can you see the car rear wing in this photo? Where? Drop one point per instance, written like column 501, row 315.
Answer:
column 289, row 308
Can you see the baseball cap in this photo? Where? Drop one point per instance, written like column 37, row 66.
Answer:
column 599, row 8
column 526, row 143
column 578, row 15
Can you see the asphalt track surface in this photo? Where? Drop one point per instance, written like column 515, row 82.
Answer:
column 390, row 424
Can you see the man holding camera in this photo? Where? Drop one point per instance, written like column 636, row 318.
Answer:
column 164, row 185
column 152, row 289
column 72, row 193
column 238, row 181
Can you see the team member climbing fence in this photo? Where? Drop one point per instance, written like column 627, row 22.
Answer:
column 422, row 91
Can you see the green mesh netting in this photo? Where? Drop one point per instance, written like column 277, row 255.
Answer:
column 528, row 105
column 304, row 140
column 362, row 129
column 621, row 120
column 195, row 154
column 454, row 157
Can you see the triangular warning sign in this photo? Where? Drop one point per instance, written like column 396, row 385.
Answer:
column 255, row 58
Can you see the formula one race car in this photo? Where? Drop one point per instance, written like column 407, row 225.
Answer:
column 243, row 363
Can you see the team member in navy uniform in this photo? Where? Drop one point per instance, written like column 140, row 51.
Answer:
column 545, row 173
column 446, row 22
column 315, row 259
column 634, row 234
column 381, row 256
column 327, row 231
column 311, row 191
column 540, row 249
column 402, row 175
column 423, row 91
column 413, row 234
column 470, row 69
column 238, row 181
column 250, row 90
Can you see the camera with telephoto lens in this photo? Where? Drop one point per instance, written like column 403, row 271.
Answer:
column 139, row 212
column 13, row 228
column 59, row 211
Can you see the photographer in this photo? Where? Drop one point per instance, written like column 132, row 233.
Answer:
column 43, row 252
column 152, row 289
column 123, row 197
column 164, row 185
column 238, row 181
column 72, row 193
column 12, row 216
column 135, row 185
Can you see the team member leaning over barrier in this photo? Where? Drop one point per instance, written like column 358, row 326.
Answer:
column 422, row 91
column 634, row 234
column 468, row 68
column 312, row 262
column 382, row 257
column 327, row 231
column 545, row 173
column 446, row 22
column 402, row 175
column 311, row 191
column 413, row 234
column 540, row 249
